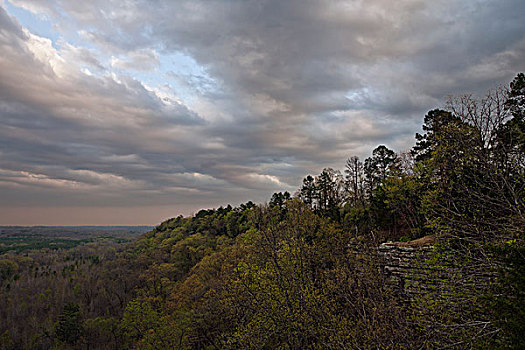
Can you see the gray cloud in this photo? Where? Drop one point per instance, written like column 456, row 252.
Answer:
column 142, row 60
column 286, row 88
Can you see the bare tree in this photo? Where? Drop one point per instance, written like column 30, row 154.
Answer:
column 487, row 115
column 354, row 180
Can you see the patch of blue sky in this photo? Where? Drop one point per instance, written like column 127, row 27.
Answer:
column 181, row 74
column 41, row 25
column 177, row 73
column 359, row 98
column 186, row 74
column 36, row 24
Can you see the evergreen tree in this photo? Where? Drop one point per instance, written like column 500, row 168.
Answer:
column 69, row 327
column 307, row 193
column 379, row 166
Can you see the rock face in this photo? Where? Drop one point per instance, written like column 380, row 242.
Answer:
column 420, row 242
column 415, row 270
column 406, row 267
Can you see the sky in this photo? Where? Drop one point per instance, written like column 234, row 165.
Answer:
column 134, row 111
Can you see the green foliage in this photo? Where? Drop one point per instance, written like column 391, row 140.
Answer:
column 8, row 268
column 508, row 294
column 102, row 332
column 68, row 328
column 403, row 198
column 434, row 122
column 307, row 192
column 378, row 167
column 147, row 328
column 304, row 273
column 279, row 199
column 6, row 342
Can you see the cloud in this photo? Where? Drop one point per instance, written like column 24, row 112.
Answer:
column 141, row 60
column 191, row 103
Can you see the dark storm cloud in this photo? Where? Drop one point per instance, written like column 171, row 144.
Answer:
column 286, row 88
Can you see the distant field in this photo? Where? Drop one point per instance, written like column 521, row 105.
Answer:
column 21, row 238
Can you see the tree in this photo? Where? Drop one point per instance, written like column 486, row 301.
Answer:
column 330, row 186
column 508, row 292
column 148, row 328
column 279, row 199
column 69, row 326
column 7, row 269
column 379, row 166
column 485, row 115
column 354, row 180
column 434, row 121
column 299, row 286
column 403, row 195
column 511, row 137
column 478, row 163
column 475, row 201
column 307, row 193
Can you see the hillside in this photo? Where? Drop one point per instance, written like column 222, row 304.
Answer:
column 303, row 272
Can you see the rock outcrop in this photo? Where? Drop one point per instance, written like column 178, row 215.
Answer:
column 417, row 270
column 406, row 265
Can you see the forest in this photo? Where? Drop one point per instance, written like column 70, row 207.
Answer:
column 302, row 271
